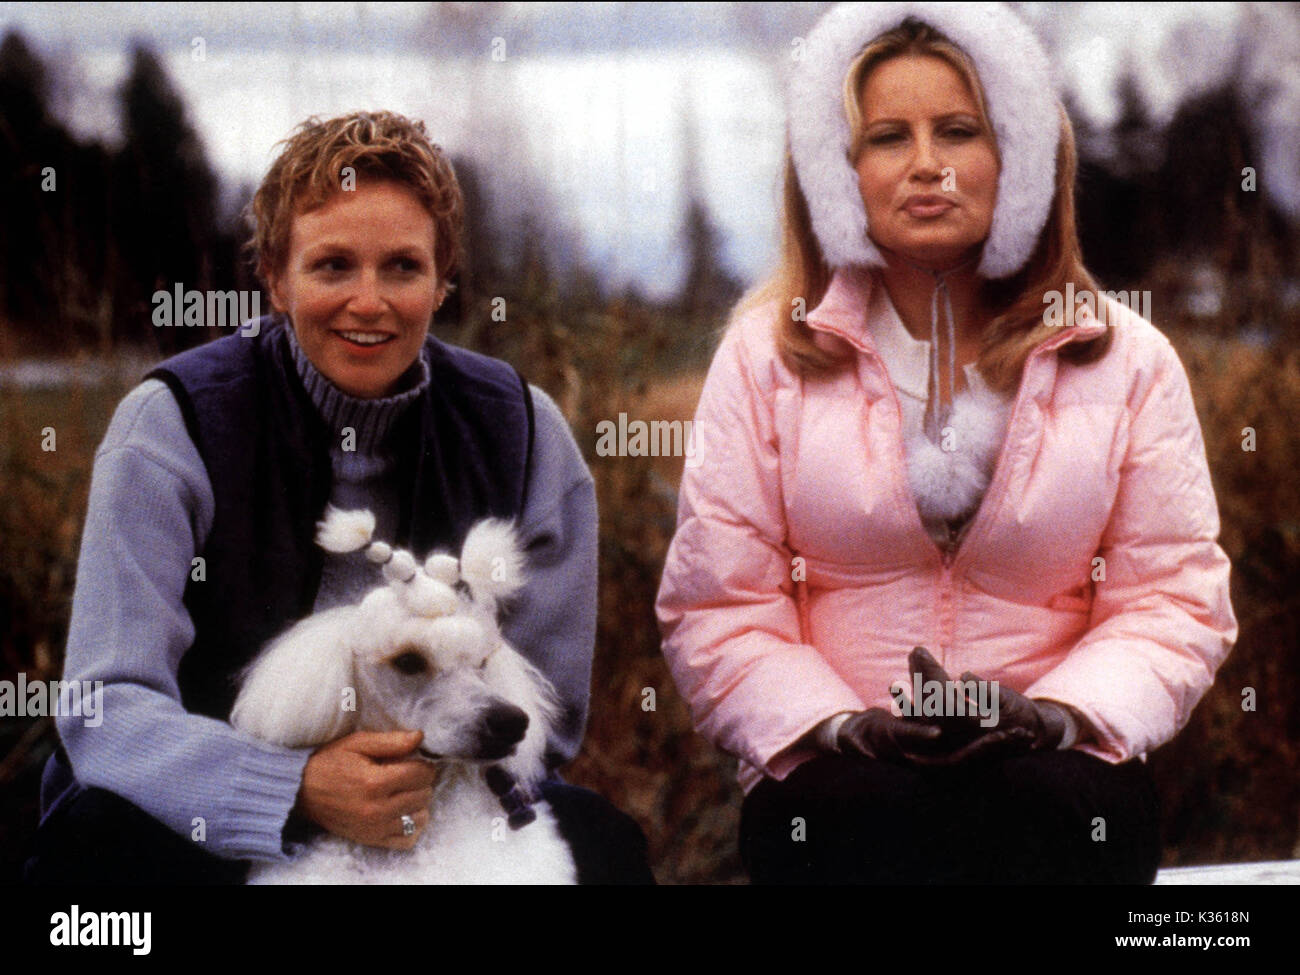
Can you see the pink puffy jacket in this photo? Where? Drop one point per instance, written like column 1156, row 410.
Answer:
column 798, row 479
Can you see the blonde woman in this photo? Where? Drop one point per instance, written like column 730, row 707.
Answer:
column 947, row 571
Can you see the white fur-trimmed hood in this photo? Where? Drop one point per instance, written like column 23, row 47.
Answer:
column 1022, row 106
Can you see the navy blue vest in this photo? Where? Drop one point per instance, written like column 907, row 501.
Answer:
column 463, row 453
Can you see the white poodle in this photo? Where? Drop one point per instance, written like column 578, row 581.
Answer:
column 422, row 652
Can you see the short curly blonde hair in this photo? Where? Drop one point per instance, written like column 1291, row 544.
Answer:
column 376, row 145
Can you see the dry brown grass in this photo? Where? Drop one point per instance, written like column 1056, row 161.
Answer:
column 1228, row 781
column 42, row 507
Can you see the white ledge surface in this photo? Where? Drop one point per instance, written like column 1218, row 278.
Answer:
column 1271, row 872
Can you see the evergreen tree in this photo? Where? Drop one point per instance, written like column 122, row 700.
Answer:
column 164, row 204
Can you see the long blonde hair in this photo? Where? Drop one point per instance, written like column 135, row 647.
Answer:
column 1017, row 328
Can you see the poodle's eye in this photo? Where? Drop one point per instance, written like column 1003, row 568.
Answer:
column 410, row 662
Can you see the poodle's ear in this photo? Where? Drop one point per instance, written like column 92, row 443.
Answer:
column 294, row 693
column 492, row 561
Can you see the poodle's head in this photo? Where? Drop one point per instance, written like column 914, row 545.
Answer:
column 422, row 652
column 452, row 677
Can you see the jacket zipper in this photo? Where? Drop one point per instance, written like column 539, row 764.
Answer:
column 949, row 551
column 999, row 472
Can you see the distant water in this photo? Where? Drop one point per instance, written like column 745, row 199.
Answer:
column 36, row 375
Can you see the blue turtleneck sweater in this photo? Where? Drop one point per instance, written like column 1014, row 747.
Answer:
column 149, row 514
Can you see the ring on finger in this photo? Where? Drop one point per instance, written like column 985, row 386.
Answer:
column 408, row 825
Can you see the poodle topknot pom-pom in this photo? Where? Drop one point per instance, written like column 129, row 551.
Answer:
column 492, row 561
column 345, row 531
column 443, row 567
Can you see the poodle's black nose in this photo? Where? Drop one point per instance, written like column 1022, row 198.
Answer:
column 504, row 724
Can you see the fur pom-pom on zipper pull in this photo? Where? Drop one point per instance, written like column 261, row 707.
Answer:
column 345, row 531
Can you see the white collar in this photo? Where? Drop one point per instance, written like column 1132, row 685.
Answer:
column 906, row 359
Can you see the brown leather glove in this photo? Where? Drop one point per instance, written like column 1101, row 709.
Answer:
column 907, row 741
column 878, row 734
column 1022, row 724
column 1042, row 721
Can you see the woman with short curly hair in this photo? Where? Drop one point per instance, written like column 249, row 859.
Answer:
column 199, row 539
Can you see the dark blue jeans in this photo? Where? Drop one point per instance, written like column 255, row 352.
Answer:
column 1039, row 818
column 93, row 836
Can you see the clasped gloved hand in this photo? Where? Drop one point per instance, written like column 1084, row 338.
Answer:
column 1042, row 721
column 878, row 734
column 1022, row 725
column 914, row 741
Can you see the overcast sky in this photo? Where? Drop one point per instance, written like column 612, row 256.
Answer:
column 588, row 114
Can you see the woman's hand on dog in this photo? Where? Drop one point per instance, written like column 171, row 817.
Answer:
column 361, row 786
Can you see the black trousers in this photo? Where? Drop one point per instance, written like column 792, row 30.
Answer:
column 93, row 836
column 1047, row 817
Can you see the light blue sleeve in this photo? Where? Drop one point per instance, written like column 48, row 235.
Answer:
column 553, row 621
column 150, row 511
